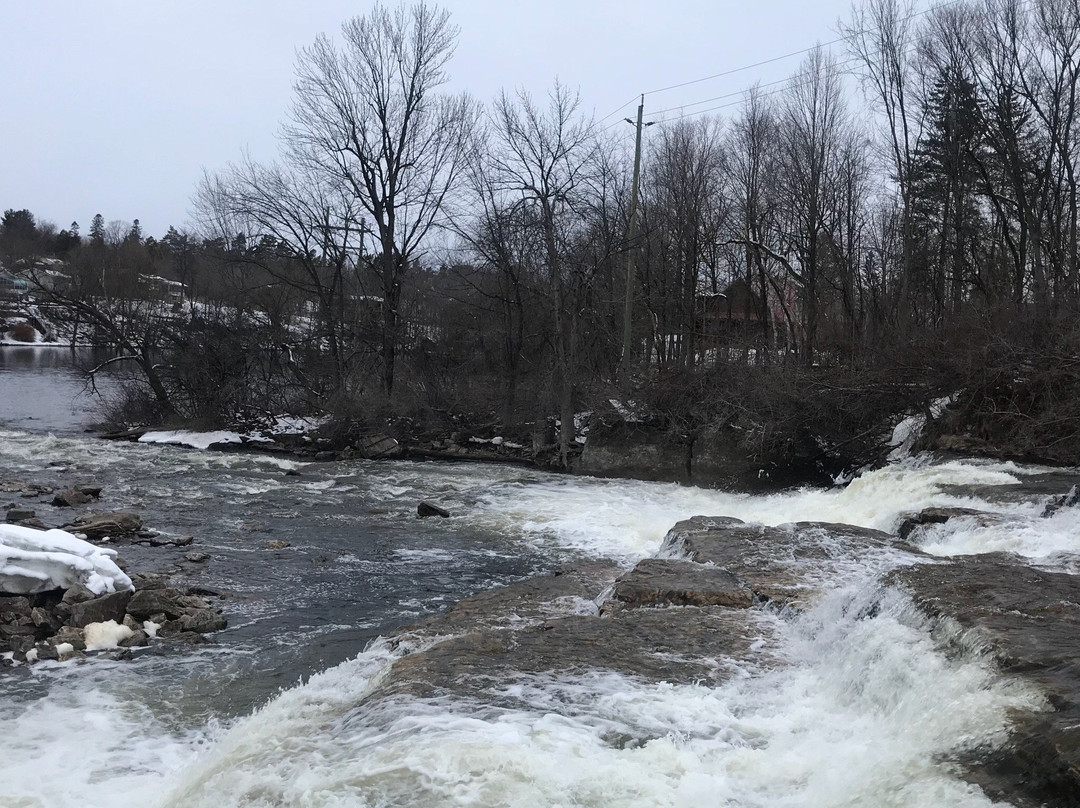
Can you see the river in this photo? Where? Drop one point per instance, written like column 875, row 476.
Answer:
column 850, row 706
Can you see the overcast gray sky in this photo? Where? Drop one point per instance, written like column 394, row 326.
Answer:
column 116, row 107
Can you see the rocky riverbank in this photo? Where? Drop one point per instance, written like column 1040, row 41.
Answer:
column 47, row 622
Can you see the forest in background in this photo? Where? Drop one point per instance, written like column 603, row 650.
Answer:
column 895, row 222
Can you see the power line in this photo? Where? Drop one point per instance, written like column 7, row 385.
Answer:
column 617, row 109
column 789, row 55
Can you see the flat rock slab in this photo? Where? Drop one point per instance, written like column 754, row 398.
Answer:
column 671, row 582
column 654, row 645
column 571, row 590
column 783, row 564
column 1029, row 620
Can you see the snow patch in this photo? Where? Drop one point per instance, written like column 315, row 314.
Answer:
column 196, row 440
column 34, row 561
column 102, row 636
column 907, row 432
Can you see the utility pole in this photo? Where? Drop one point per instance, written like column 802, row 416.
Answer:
column 631, row 248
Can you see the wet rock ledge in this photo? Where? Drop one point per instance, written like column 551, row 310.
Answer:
column 709, row 604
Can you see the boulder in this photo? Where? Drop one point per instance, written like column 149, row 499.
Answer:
column 938, row 516
column 71, row 635
column 137, row 639
column 44, row 619
column 100, row 609
column 106, row 525
column 14, row 609
column 147, row 580
column 203, row 621
column 170, row 602
column 197, row 557
column 376, row 447
column 426, row 509
column 70, row 498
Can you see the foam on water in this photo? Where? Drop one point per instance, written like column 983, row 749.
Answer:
column 856, row 711
column 627, row 519
column 1050, row 541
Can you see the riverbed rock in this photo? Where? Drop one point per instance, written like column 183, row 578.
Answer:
column 786, row 564
column 277, row 544
column 197, row 557
column 18, row 515
column 203, row 621
column 107, row 525
column 101, row 609
column 938, row 516
column 70, row 635
column 670, row 582
column 1028, row 620
column 70, row 498
column 426, row 509
column 172, row 603
column 659, row 645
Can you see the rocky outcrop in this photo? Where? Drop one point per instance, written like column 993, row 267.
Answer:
column 714, row 457
column 638, row 451
column 1028, row 620
column 551, row 624
column 786, row 564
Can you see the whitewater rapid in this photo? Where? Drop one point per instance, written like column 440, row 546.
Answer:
column 853, row 702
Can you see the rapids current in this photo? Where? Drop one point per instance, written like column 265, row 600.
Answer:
column 855, row 702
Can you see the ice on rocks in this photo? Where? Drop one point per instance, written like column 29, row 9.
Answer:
column 34, row 561
column 102, row 636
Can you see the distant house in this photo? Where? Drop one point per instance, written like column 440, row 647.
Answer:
column 155, row 287
column 12, row 287
column 734, row 316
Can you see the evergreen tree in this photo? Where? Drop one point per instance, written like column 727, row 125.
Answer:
column 97, row 230
column 945, row 176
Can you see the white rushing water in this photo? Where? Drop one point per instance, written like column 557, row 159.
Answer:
column 846, row 705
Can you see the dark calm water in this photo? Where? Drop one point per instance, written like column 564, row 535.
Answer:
column 45, row 389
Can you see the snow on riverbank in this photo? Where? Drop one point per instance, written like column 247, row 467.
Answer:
column 281, row 425
column 40, row 560
column 196, row 440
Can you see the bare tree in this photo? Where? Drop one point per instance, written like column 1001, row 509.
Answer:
column 544, row 159
column 367, row 114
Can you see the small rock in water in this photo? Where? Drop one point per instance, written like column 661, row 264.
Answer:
column 425, row 509
column 19, row 515
column 277, row 544
column 197, row 556
column 70, row 498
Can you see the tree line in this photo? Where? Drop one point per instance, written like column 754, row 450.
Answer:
column 896, row 207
